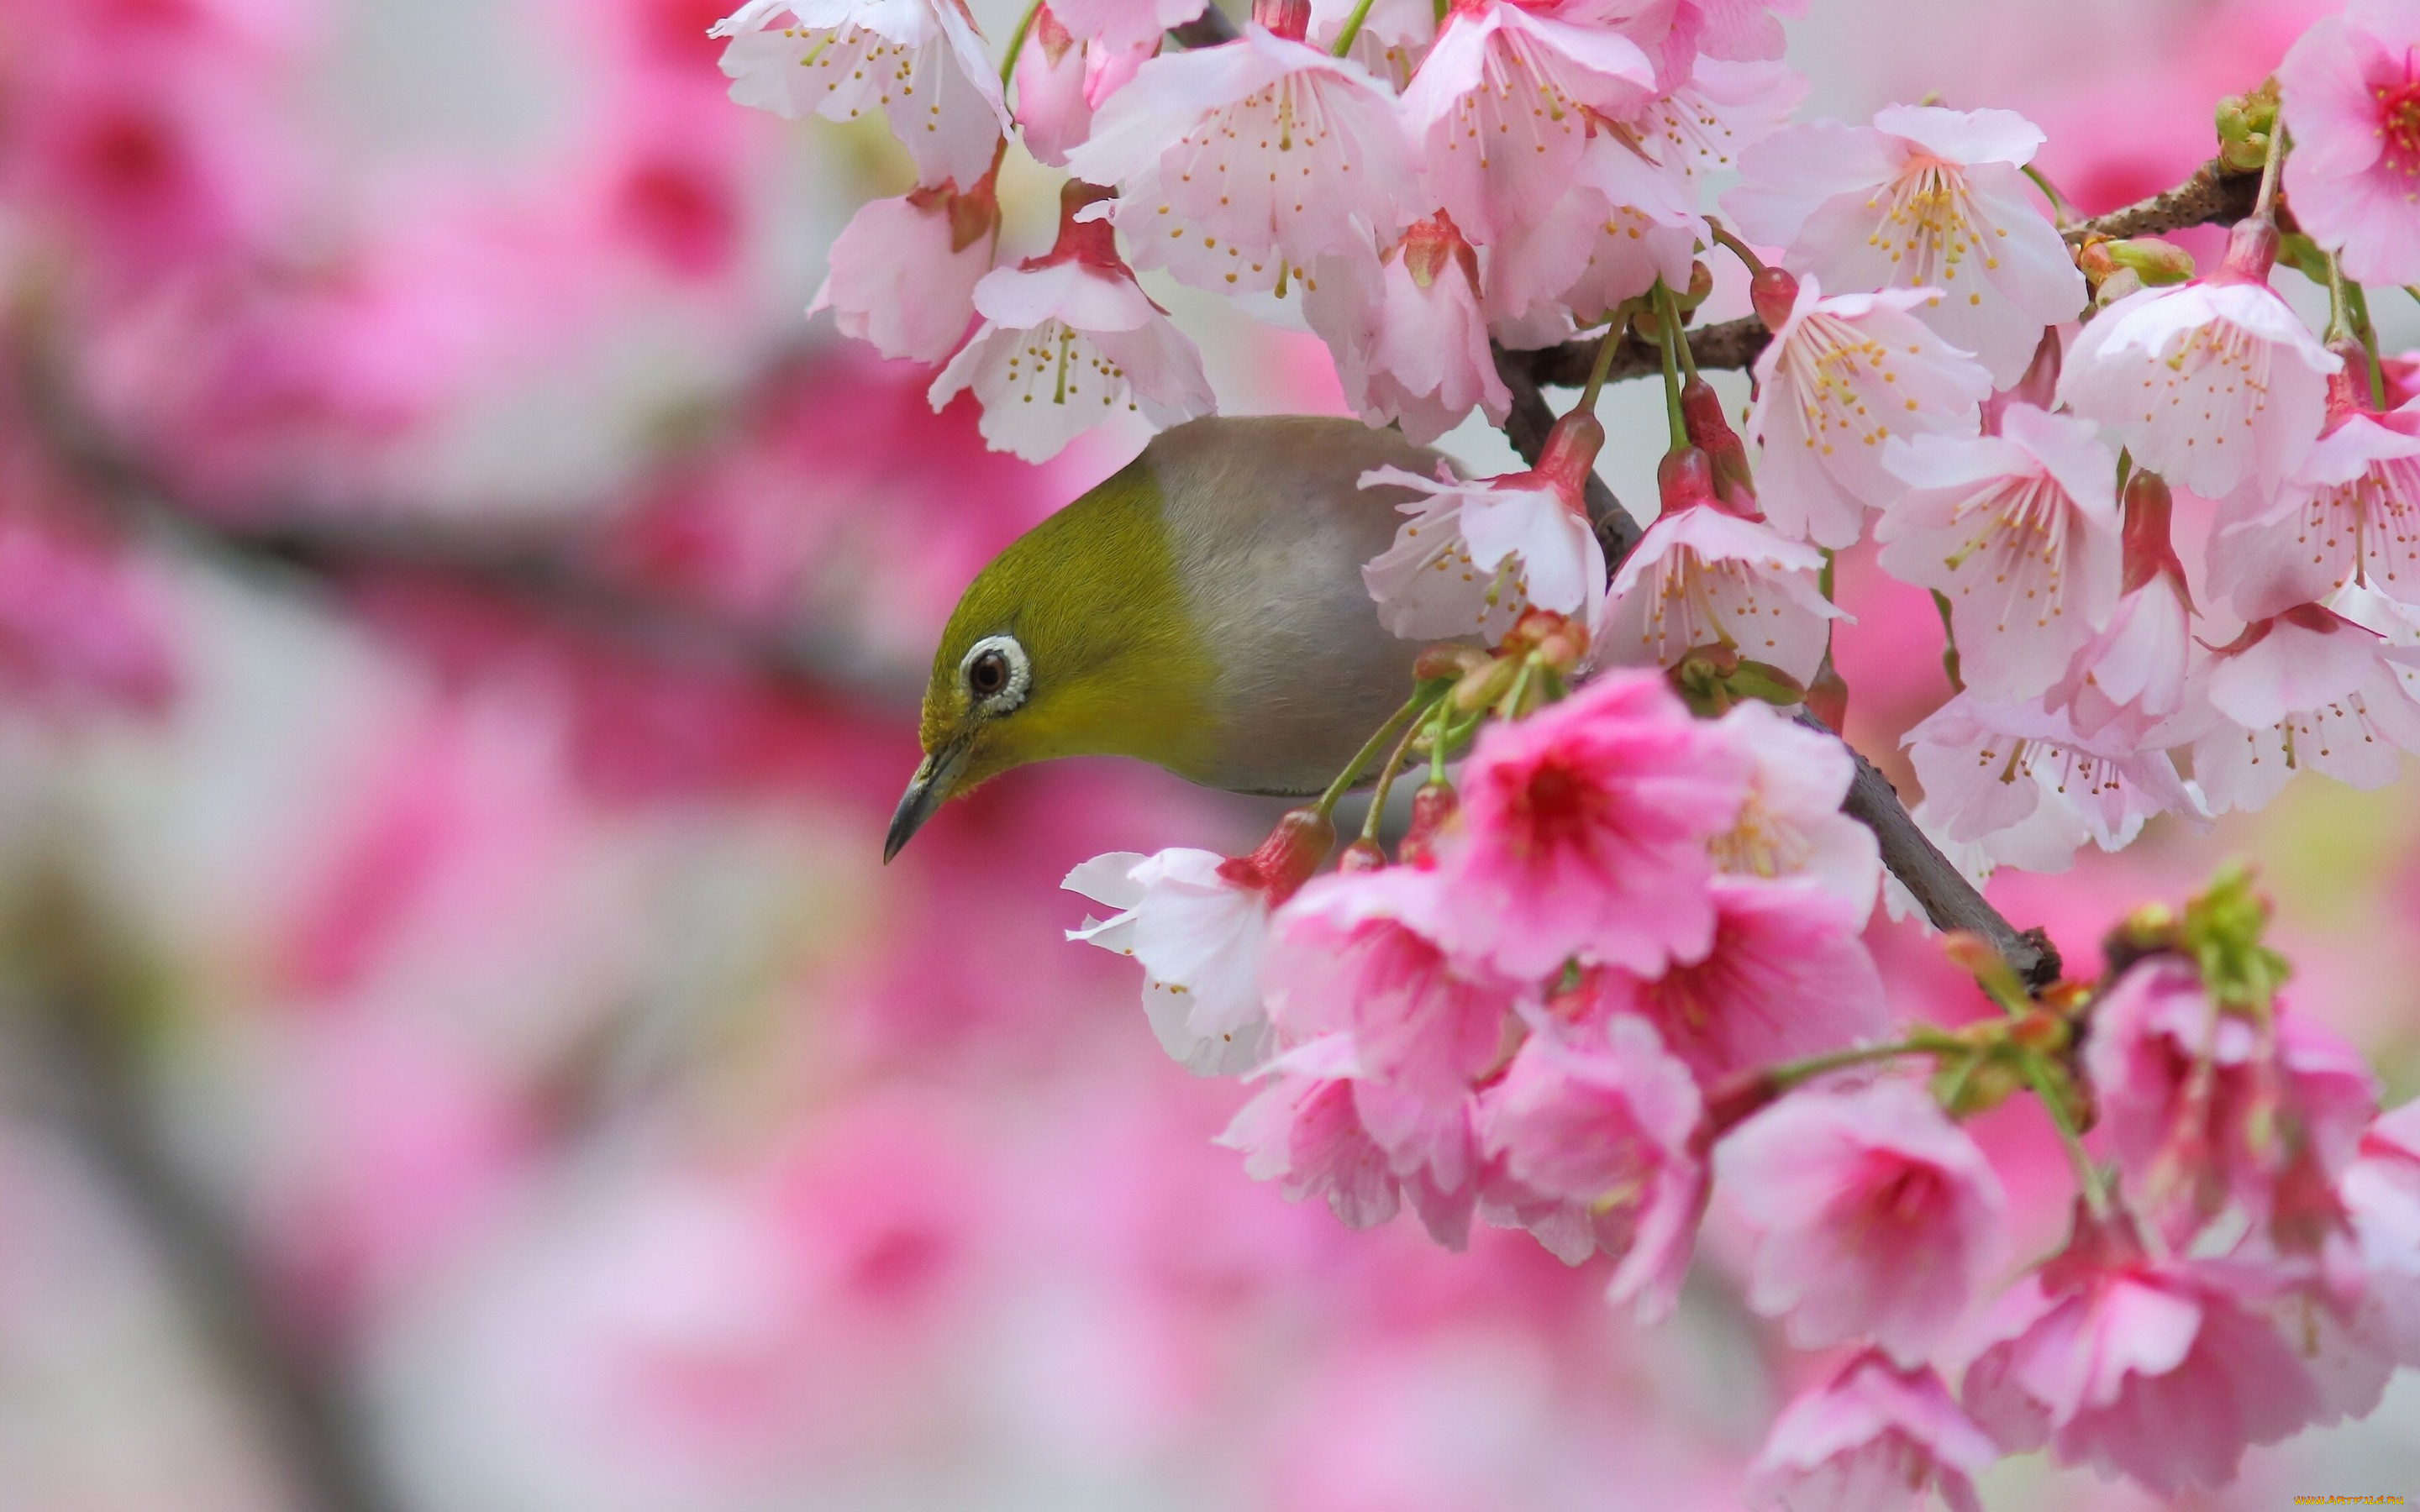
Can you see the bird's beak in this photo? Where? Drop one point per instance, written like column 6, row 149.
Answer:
column 936, row 775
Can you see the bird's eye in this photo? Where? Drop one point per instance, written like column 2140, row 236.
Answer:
column 987, row 675
column 995, row 674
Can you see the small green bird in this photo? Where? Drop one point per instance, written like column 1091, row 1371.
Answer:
column 1202, row 609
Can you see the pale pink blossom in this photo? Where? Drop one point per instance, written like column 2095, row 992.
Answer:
column 1200, row 938
column 1614, row 1129
column 2207, row 1114
column 1584, row 832
column 1305, row 1131
column 2351, row 97
column 2305, row 689
column 1872, row 1438
column 1237, row 162
column 904, row 271
column 2019, row 531
column 2019, row 780
column 1925, row 198
column 2382, row 1197
column 1411, row 343
column 1701, row 127
column 2149, row 1370
column 1622, row 224
column 2128, row 681
column 1790, row 830
column 1069, row 340
column 1355, row 955
column 1746, row 30
column 1843, row 377
column 1474, row 555
column 1119, row 24
column 1701, row 576
column 1786, row 975
column 1875, row 1217
column 1062, row 80
column 2349, row 512
column 2214, row 384
column 917, row 61
column 1499, row 109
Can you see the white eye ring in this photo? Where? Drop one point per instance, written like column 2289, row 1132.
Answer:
column 1009, row 694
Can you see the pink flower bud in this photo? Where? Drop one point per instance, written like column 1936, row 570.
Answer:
column 1773, row 293
column 1289, row 19
column 1284, row 861
column 1686, row 479
column 1434, row 807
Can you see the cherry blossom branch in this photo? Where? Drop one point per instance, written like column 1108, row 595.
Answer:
column 2213, row 195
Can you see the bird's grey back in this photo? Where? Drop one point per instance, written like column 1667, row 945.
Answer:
column 1269, row 537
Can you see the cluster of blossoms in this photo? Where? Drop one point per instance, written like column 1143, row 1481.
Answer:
column 1618, row 961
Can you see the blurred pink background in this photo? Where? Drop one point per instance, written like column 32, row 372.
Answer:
column 460, row 631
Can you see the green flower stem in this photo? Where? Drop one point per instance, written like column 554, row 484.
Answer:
column 1746, row 254
column 1395, row 765
column 1613, row 335
column 2087, row 1174
column 2264, row 205
column 1396, row 723
column 2061, row 208
column 1669, row 333
column 1948, row 643
column 1791, row 1073
column 1351, row 29
column 1016, row 42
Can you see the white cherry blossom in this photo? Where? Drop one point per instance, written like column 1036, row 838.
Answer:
column 2020, row 532
column 917, row 61
column 1924, row 198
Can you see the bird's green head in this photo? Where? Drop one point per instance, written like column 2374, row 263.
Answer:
column 1076, row 640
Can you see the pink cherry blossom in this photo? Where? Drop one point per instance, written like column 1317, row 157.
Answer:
column 904, row 271
column 1621, row 224
column 1411, row 343
column 1302, row 1131
column 2020, row 532
column 1615, row 1130
column 1474, row 555
column 1876, row 1217
column 1842, row 377
column 1355, row 955
column 2149, row 1370
column 1499, row 109
column 1925, row 198
column 2352, row 95
column 1701, row 576
column 2215, row 384
column 1239, row 162
column 2019, row 778
column 2348, row 513
column 1068, row 340
column 2305, row 689
column 1787, row 975
column 1120, row 24
column 2382, row 1197
column 2131, row 675
column 1746, row 30
column 2205, row 1112
column 1200, row 938
column 1062, row 80
column 1791, row 830
column 1305, row 1131
column 1701, row 127
column 918, row 61
column 1872, row 1438
column 1584, row 832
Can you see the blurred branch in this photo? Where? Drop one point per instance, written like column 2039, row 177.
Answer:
column 2212, row 194
column 551, row 572
column 89, row 1006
